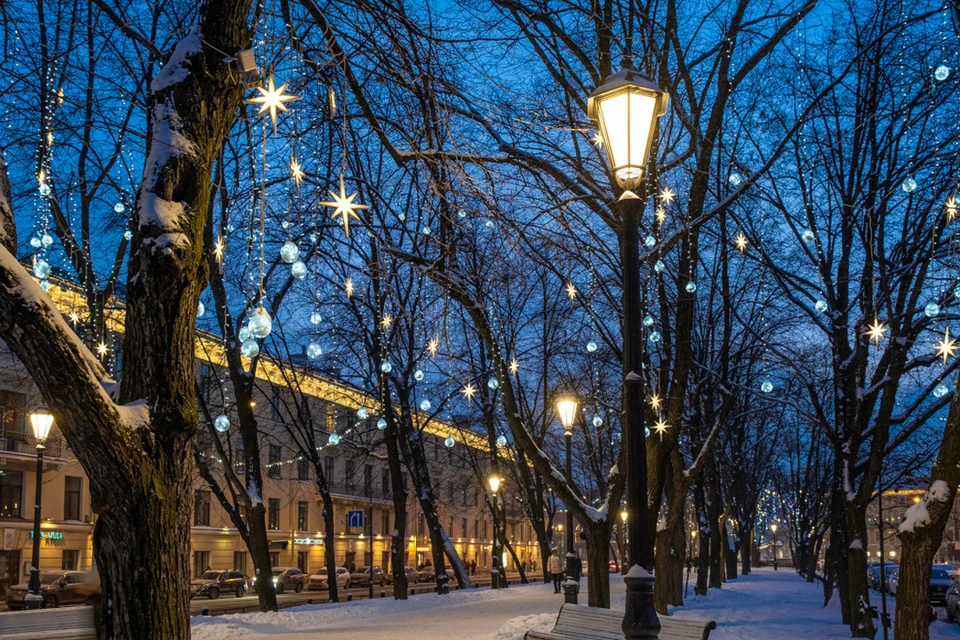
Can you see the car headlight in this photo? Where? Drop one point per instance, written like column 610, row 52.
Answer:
column 252, row 580
column 274, row 581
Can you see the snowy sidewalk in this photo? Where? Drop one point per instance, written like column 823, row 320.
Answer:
column 766, row 605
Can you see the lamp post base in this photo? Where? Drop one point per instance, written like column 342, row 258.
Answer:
column 494, row 579
column 571, row 590
column 640, row 617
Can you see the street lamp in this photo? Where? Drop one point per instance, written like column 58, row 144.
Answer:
column 40, row 421
column 494, row 481
column 773, row 527
column 626, row 108
column 567, row 408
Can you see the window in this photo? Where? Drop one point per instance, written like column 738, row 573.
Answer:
column 329, row 469
column 12, row 412
column 303, row 516
column 71, row 558
column 476, row 528
column 368, row 480
column 348, row 475
column 303, row 469
column 273, row 513
column 275, row 404
column 201, row 562
column 274, row 558
column 201, row 509
column 302, row 557
column 476, row 496
column 240, row 561
column 273, row 468
column 464, row 500
column 71, row 498
column 464, row 528
column 385, row 483
column 11, row 493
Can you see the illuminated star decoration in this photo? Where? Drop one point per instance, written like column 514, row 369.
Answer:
column 102, row 349
column 296, row 172
column 468, row 391
column 386, row 322
column 218, row 250
column 660, row 427
column 432, row 345
column 876, row 330
column 951, row 207
column 74, row 318
column 667, row 195
column 344, row 206
column 348, row 287
column 598, row 140
column 514, row 366
column 272, row 100
column 655, row 401
column 571, row 290
column 946, row 347
column 661, row 214
column 742, row 242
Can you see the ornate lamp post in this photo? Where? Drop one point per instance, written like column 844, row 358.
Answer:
column 494, row 481
column 40, row 420
column 567, row 408
column 773, row 527
column 626, row 108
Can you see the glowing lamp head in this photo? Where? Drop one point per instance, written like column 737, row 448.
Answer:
column 625, row 107
column 41, row 420
column 494, row 481
column 623, row 516
column 773, row 528
column 567, row 408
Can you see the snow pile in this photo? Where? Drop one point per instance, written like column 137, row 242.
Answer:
column 176, row 68
column 517, row 627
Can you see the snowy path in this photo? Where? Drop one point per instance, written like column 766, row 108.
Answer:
column 765, row 605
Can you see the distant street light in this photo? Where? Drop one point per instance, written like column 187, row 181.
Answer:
column 567, row 408
column 494, row 480
column 773, row 527
column 41, row 421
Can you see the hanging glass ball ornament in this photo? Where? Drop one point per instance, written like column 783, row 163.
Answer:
column 807, row 235
column 44, row 189
column 650, row 241
column 362, row 413
column 654, row 336
column 128, row 235
column 418, row 375
column 488, row 224
column 821, row 306
column 46, row 240
column 426, row 231
column 502, row 441
column 941, row 390
column 201, row 309
column 289, row 252
column 298, row 270
column 35, row 242
column 932, row 309
column 909, row 185
column 425, row 405
column 41, row 269
column 493, row 383
column 941, row 73
column 956, row 291
column 314, row 350
column 316, row 318
column 659, row 266
column 260, row 323
column 691, row 286
column 449, row 442
column 646, row 431
column 461, row 214
column 648, row 320
column 597, row 421
column 249, row 348
column 244, row 333
column 45, row 284
column 382, row 424
column 334, row 439
column 766, row 386
column 285, row 224
column 386, row 367
column 119, row 207
column 735, row 179
column 222, row 423
column 591, row 346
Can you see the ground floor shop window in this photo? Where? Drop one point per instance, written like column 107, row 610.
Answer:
column 11, row 493
column 274, row 558
column 240, row 561
column 302, row 559
column 71, row 559
column 201, row 562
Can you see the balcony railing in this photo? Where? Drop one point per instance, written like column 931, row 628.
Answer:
column 24, row 445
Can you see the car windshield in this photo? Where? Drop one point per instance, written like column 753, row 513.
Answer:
column 363, row 570
column 322, row 571
column 939, row 574
column 210, row 575
column 50, row 578
column 277, row 572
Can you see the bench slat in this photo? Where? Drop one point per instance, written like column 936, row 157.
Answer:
column 577, row 622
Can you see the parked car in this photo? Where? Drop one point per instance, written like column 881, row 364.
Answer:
column 284, row 578
column 427, row 574
column 614, row 567
column 873, row 578
column 892, row 580
column 59, row 587
column 214, row 582
column 940, row 581
column 413, row 576
column 319, row 579
column 361, row 577
column 952, row 603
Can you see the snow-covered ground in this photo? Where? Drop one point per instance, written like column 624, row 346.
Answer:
column 765, row 605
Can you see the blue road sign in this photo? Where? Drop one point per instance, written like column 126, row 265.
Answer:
column 354, row 518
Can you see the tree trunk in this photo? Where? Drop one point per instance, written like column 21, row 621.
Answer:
column 670, row 545
column 855, row 558
column 598, row 581
column 730, row 556
column 513, row 554
column 746, row 538
column 399, row 496
column 329, row 539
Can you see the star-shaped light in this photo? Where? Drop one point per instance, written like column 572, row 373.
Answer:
column 218, row 248
column 344, row 205
column 348, row 287
column 296, row 172
column 660, row 427
column 598, row 140
column 102, row 349
column 571, row 290
column 951, row 208
column 468, row 391
column 667, row 195
column 876, row 330
column 432, row 345
column 74, row 317
column 946, row 347
column 272, row 100
column 655, row 401
column 386, row 322
column 514, row 366
column 742, row 242
column 661, row 214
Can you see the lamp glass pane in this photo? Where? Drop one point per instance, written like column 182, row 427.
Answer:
column 41, row 423
column 494, row 484
column 626, row 118
column 567, row 410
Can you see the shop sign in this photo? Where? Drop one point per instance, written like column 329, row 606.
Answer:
column 308, row 540
column 49, row 535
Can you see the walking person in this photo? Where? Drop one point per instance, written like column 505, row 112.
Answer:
column 555, row 569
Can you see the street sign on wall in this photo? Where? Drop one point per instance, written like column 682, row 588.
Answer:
column 355, row 518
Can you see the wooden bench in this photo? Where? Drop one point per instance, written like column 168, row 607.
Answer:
column 577, row 622
column 68, row 623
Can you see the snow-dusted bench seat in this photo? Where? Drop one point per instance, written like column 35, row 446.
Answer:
column 69, row 623
column 577, row 622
